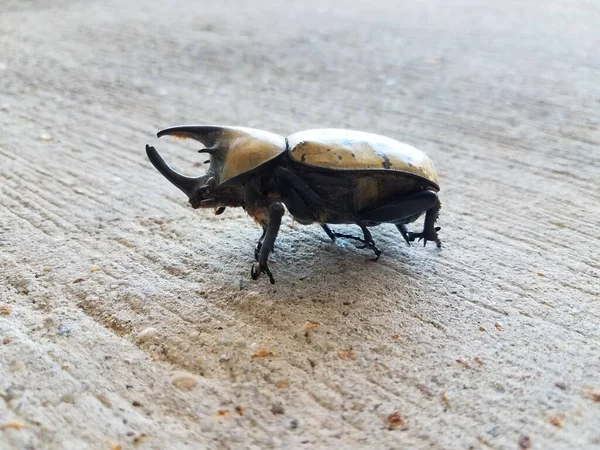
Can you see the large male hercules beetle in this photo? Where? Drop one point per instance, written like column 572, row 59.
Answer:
column 325, row 176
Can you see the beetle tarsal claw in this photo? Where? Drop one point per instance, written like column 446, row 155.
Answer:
column 423, row 236
column 371, row 246
column 257, row 269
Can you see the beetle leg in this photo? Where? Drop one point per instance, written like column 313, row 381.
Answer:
column 407, row 209
column 369, row 242
column 368, row 237
column 329, row 232
column 276, row 211
column 429, row 232
column 333, row 235
column 405, row 233
column 422, row 236
column 259, row 244
column 348, row 236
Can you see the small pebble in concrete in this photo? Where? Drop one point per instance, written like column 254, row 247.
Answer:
column 277, row 408
column 16, row 365
column 146, row 334
column 184, row 383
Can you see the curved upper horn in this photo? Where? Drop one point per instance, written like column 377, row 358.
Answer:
column 207, row 134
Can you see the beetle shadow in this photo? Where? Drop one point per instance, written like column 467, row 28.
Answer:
column 319, row 280
column 214, row 318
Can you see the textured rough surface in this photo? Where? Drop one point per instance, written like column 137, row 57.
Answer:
column 128, row 319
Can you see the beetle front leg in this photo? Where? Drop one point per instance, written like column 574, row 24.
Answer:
column 276, row 211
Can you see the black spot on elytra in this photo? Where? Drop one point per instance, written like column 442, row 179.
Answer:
column 328, row 149
column 303, row 157
column 353, row 155
column 386, row 161
column 339, row 157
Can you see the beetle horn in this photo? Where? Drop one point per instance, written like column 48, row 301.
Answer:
column 209, row 150
column 187, row 185
column 207, row 134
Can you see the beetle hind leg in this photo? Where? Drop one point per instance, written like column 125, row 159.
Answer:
column 429, row 232
column 404, row 210
column 422, row 236
column 405, row 233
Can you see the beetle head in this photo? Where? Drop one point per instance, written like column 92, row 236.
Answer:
column 204, row 191
column 234, row 153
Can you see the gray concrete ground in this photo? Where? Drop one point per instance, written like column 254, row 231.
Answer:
column 128, row 320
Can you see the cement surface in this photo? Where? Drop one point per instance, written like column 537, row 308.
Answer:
column 128, row 319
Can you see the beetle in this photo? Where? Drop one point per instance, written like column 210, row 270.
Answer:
column 324, row 176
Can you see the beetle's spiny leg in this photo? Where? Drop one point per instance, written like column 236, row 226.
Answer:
column 367, row 241
column 368, row 238
column 421, row 237
column 371, row 246
column 348, row 236
column 438, row 242
column 256, row 270
column 276, row 211
column 370, row 243
column 257, row 248
column 405, row 233
column 259, row 244
column 429, row 232
column 376, row 251
column 329, row 232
